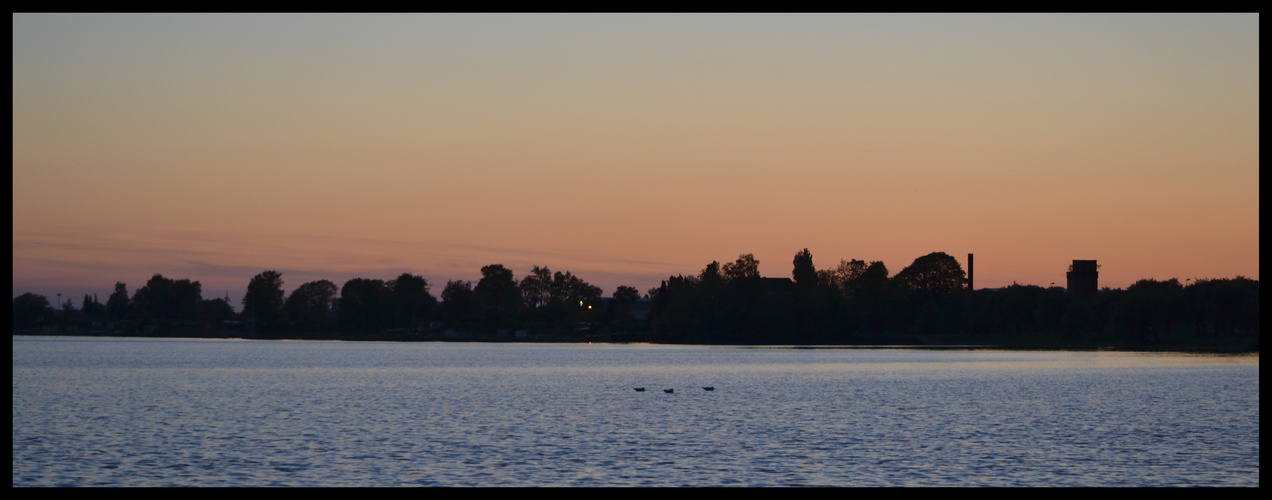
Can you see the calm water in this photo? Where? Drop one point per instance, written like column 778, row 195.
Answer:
column 180, row 412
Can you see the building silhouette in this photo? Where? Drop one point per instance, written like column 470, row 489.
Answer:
column 969, row 272
column 1083, row 277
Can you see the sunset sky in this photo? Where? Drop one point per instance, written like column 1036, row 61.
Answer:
column 627, row 148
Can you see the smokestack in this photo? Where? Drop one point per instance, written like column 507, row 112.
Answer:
column 969, row 272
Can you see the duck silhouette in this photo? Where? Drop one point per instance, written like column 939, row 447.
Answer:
column 640, row 389
column 669, row 391
column 712, row 388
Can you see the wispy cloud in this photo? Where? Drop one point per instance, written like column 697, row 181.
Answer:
column 82, row 258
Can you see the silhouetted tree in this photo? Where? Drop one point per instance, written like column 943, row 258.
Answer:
column 310, row 305
column 673, row 312
column 410, row 303
column 570, row 298
column 873, row 302
column 167, row 299
column 29, row 308
column 624, row 298
column 626, row 295
column 459, row 303
column 154, row 299
column 844, row 276
column 186, row 297
column 1148, row 309
column 936, row 273
column 118, row 305
column 363, row 304
column 727, row 303
column 1049, row 312
column 873, row 279
column 804, row 274
column 754, row 310
column 498, row 296
column 263, row 302
column 1222, row 307
column 818, row 308
column 536, row 288
column 91, row 308
column 710, row 278
column 213, row 312
column 745, row 267
column 1016, row 306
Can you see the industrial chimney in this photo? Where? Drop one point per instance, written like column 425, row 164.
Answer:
column 969, row 272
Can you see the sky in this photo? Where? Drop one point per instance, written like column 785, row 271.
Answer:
column 626, row 148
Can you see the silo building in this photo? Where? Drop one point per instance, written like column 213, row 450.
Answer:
column 1083, row 277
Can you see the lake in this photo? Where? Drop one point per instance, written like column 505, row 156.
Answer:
column 192, row 412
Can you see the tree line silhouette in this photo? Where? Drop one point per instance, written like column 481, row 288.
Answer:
column 854, row 302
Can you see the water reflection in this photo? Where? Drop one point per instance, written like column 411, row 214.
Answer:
column 203, row 413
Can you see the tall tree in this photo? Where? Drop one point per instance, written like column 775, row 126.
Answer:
column 871, row 301
column 186, row 297
column 118, row 306
column 745, row 267
column 936, row 273
column 621, row 307
column 571, row 296
column 264, row 299
column 710, row 280
column 167, row 299
column 1222, row 307
column 363, row 304
column 215, row 311
column 626, row 295
column 804, row 274
column 568, row 289
column 536, row 287
column 411, row 304
column 152, row 300
column 91, row 308
column 29, row 308
column 497, row 294
column 309, row 305
column 873, row 279
column 1149, row 307
column 844, row 276
column 458, row 301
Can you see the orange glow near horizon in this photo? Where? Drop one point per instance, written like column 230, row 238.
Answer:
column 627, row 148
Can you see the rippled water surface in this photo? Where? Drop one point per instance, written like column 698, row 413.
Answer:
column 180, row 412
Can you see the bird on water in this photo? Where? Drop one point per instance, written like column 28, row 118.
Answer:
column 640, row 389
column 712, row 388
column 669, row 391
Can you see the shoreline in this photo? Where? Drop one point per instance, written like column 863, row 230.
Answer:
column 1192, row 349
